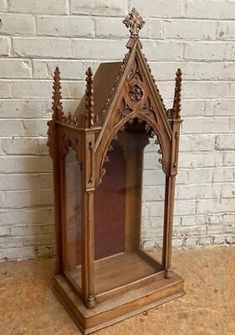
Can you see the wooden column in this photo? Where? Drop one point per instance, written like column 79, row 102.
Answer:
column 58, row 179
column 55, row 153
column 175, row 121
column 168, row 224
column 88, row 184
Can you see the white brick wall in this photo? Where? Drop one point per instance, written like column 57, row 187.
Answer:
column 197, row 35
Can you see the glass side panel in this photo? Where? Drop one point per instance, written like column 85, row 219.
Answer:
column 72, row 233
column 153, row 199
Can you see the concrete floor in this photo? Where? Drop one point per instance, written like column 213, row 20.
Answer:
column 27, row 305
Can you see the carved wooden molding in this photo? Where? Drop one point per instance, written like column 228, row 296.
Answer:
column 67, row 141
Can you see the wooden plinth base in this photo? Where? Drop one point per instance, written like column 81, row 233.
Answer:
column 119, row 307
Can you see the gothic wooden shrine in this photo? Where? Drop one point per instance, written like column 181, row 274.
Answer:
column 106, row 174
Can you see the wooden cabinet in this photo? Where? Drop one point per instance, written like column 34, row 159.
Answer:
column 120, row 132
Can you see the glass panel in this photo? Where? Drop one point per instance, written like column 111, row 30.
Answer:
column 153, row 200
column 110, row 206
column 72, row 238
column 128, row 210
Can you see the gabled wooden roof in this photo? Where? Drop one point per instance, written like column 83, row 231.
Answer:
column 103, row 83
column 109, row 82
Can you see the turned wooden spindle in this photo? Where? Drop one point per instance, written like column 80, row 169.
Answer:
column 89, row 105
column 57, row 96
column 177, row 97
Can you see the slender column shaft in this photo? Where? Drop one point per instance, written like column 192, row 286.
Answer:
column 88, row 220
column 168, row 224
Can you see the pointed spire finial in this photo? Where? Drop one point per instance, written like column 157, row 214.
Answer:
column 177, row 97
column 89, row 105
column 134, row 22
column 56, row 97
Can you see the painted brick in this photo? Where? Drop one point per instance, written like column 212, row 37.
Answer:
column 27, row 216
column 232, row 124
column 200, row 176
column 219, row 107
column 209, row 51
column 201, row 125
column 25, row 164
column 25, row 145
column 190, row 29
column 229, row 158
column 65, row 26
column 110, row 28
column 31, row 89
column 228, row 191
column 11, row 128
column 21, row 199
column 100, row 7
column 32, row 230
column 73, row 90
column 38, row 7
column 13, row 108
column 210, row 9
column 102, row 49
column 153, row 193
column 226, row 30
column 200, row 159
column 163, row 50
column 70, row 69
column 15, row 68
column 25, row 181
column 3, row 5
column 192, row 108
column 206, row 90
column 153, row 177
column 225, row 142
column 35, row 128
column 155, row 27
column 208, row 70
column 5, row 89
column 199, row 70
column 159, row 8
column 185, row 207
column 4, row 46
column 223, row 174
column 41, row 47
column 5, row 231
column 17, row 24
column 197, row 142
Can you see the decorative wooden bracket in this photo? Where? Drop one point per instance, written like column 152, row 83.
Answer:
column 89, row 107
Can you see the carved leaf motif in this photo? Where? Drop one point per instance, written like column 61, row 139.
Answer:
column 134, row 22
column 136, row 93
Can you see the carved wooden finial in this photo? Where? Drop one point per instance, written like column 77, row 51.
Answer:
column 56, row 97
column 89, row 107
column 134, row 22
column 177, row 97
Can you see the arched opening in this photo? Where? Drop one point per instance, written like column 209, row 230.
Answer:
column 127, row 208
